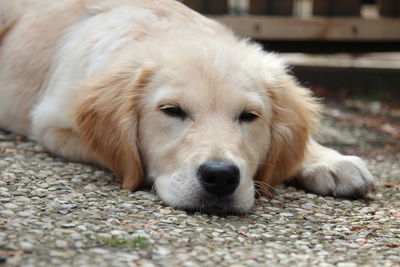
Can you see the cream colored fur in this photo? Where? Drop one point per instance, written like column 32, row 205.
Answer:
column 89, row 81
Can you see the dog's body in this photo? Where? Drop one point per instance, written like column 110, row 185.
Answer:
column 158, row 93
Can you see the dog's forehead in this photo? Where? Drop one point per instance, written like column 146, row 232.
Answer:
column 203, row 82
column 198, row 89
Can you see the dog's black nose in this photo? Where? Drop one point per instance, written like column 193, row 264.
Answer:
column 219, row 177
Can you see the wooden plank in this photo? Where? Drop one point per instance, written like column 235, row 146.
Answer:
column 316, row 28
column 337, row 7
column 271, row 7
column 389, row 8
column 382, row 61
column 208, row 6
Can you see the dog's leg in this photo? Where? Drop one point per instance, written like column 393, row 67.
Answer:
column 54, row 128
column 325, row 171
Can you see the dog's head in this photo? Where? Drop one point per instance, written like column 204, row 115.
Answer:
column 203, row 122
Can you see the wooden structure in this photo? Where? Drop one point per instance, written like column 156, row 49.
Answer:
column 337, row 7
column 330, row 20
column 327, row 26
column 389, row 8
column 314, row 28
column 208, row 6
column 271, row 7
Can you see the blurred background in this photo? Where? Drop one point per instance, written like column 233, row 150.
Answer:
column 344, row 50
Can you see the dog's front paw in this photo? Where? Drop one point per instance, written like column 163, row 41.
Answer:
column 340, row 176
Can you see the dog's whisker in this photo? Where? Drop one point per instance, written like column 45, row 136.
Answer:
column 265, row 188
column 257, row 193
column 153, row 189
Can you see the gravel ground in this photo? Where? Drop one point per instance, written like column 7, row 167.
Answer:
column 57, row 213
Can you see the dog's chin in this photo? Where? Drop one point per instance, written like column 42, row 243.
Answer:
column 212, row 205
column 192, row 198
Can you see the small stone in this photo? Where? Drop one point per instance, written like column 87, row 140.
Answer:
column 215, row 234
column 25, row 214
column 99, row 251
column 286, row 214
column 118, row 233
column 346, row 264
column 44, row 185
column 55, row 254
column 68, row 225
column 76, row 180
column 63, row 212
column 76, row 236
column 190, row 264
column 3, row 164
column 267, row 235
column 6, row 213
column 10, row 206
column 26, row 245
column 163, row 251
column 183, row 256
column 126, row 205
column 61, row 244
column 22, row 199
column 4, row 192
column 82, row 227
column 267, row 216
column 90, row 187
column 79, row 244
column 128, row 257
column 68, row 206
column 4, row 189
column 104, row 235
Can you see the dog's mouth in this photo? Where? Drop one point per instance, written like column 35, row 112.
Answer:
column 192, row 197
column 213, row 205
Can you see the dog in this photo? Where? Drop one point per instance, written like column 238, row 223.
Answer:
column 162, row 95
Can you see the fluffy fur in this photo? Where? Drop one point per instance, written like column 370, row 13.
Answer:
column 91, row 80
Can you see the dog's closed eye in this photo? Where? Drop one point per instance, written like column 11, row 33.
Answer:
column 248, row 116
column 174, row 111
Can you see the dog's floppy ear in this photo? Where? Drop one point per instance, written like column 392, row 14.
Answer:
column 107, row 118
column 295, row 114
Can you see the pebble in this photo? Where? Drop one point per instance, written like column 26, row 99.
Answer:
column 267, row 216
column 163, row 251
column 28, row 213
column 63, row 212
column 44, row 185
column 99, row 250
column 4, row 192
column 286, row 214
column 3, row 164
column 81, row 227
column 68, row 225
column 61, row 244
column 26, row 246
column 90, row 187
column 118, row 233
column 6, row 213
column 10, row 206
column 347, row 264
column 183, row 257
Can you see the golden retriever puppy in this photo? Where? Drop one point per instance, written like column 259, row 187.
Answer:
column 161, row 95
